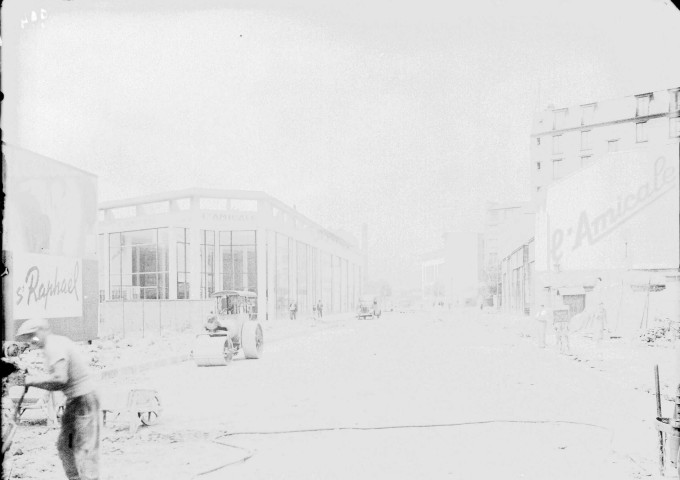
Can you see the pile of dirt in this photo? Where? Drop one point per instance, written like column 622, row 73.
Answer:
column 663, row 330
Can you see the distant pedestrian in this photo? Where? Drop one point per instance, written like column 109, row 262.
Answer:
column 542, row 319
column 562, row 336
column 601, row 330
column 67, row 371
column 319, row 308
column 293, row 310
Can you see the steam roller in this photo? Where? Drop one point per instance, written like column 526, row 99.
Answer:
column 232, row 329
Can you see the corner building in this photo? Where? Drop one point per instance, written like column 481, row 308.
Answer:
column 161, row 257
column 607, row 209
column 565, row 140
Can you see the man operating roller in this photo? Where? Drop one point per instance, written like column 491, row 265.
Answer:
column 67, row 371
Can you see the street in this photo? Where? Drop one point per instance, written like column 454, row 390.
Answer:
column 420, row 395
column 494, row 186
column 448, row 394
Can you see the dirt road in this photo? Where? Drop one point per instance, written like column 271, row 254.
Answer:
column 418, row 395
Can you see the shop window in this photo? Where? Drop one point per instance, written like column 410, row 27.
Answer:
column 207, row 263
column 282, row 277
column 183, row 252
column 641, row 132
column 138, row 265
column 238, row 260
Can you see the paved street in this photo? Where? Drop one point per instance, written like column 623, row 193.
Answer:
column 474, row 400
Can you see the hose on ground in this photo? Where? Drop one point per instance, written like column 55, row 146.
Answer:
column 250, row 453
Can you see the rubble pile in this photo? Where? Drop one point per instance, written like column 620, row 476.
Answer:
column 664, row 330
column 107, row 353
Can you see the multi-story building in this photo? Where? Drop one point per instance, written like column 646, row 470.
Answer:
column 499, row 218
column 605, row 180
column 516, row 264
column 432, row 268
column 161, row 256
column 450, row 275
column 564, row 140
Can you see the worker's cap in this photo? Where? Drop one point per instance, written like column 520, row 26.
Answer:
column 31, row 326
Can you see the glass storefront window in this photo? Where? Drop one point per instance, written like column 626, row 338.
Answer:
column 238, row 260
column 302, row 277
column 207, row 263
column 327, row 282
column 183, row 262
column 282, row 278
column 138, row 265
column 336, row 284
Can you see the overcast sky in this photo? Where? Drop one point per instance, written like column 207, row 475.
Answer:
column 407, row 116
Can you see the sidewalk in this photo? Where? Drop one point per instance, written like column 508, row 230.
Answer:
column 629, row 362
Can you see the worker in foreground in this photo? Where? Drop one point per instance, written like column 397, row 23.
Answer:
column 68, row 371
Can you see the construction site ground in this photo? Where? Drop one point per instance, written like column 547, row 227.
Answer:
column 181, row 445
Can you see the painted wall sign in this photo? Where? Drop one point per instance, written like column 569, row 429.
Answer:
column 47, row 286
column 229, row 217
column 621, row 211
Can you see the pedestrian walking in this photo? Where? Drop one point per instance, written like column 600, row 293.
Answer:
column 319, row 308
column 67, row 371
column 293, row 310
column 542, row 319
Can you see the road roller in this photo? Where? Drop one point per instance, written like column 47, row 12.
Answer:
column 231, row 327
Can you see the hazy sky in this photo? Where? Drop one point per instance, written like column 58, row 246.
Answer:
column 407, row 116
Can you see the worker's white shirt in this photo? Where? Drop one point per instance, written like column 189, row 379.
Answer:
column 79, row 380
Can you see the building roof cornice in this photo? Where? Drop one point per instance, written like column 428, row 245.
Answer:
column 226, row 194
column 643, row 118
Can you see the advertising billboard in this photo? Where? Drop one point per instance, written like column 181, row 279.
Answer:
column 621, row 212
column 49, row 244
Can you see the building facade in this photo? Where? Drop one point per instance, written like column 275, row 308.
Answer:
column 516, row 266
column 615, row 224
column 432, row 268
column 450, row 275
column 605, row 185
column 564, row 140
column 49, row 244
column 162, row 256
column 505, row 230
column 517, row 272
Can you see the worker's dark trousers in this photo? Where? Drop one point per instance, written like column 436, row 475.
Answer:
column 78, row 442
